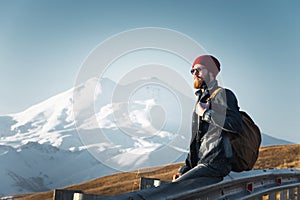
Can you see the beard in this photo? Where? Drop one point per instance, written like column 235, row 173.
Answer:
column 200, row 82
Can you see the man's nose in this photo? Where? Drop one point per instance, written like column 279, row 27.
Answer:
column 196, row 73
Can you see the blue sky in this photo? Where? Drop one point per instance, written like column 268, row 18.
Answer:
column 44, row 43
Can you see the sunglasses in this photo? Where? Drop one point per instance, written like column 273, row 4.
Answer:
column 197, row 68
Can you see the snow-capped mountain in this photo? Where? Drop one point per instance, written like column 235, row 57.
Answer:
column 58, row 142
column 94, row 129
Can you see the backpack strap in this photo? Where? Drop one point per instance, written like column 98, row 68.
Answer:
column 213, row 95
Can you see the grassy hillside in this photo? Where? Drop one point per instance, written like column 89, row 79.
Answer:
column 284, row 156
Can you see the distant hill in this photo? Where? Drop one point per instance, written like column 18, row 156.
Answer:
column 281, row 156
column 268, row 140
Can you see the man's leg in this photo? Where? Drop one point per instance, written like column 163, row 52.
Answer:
column 201, row 170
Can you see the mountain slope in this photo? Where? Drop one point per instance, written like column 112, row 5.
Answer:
column 92, row 130
column 40, row 144
column 268, row 140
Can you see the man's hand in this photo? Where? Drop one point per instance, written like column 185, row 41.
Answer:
column 176, row 176
column 201, row 108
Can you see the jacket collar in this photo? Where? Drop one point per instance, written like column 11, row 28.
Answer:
column 208, row 88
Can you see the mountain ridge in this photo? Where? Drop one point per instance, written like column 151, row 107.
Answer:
column 45, row 139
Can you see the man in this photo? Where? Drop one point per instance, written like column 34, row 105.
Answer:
column 210, row 153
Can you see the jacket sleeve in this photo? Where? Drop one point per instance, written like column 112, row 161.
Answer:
column 186, row 167
column 224, row 112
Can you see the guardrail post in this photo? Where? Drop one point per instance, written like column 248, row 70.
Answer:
column 272, row 196
column 292, row 193
column 77, row 196
column 283, row 195
column 259, row 198
column 60, row 194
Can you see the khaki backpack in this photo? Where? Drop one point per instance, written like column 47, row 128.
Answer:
column 246, row 143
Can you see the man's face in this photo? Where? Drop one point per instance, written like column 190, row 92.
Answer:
column 200, row 74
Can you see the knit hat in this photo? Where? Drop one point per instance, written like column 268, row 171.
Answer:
column 210, row 62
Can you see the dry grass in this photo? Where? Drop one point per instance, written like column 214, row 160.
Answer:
column 285, row 156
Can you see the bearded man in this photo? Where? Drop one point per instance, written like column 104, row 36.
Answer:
column 210, row 152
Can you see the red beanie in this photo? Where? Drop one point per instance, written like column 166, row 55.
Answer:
column 210, row 62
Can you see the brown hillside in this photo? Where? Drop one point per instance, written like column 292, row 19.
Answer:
column 284, row 156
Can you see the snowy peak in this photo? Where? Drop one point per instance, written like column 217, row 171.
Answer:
column 98, row 127
column 47, row 122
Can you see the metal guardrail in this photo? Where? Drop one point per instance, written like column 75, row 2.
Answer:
column 271, row 184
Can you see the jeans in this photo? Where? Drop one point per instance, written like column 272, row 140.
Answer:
column 199, row 171
column 199, row 176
